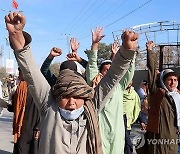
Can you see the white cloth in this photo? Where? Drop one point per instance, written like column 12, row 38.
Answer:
column 141, row 94
column 174, row 94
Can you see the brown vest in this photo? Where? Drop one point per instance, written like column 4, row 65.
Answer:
column 154, row 112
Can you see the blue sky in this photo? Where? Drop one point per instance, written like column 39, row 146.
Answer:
column 51, row 22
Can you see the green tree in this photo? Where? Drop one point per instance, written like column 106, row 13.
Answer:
column 104, row 52
column 54, row 68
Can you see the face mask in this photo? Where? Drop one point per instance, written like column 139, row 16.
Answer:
column 71, row 115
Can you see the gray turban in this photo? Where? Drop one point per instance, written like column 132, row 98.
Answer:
column 71, row 84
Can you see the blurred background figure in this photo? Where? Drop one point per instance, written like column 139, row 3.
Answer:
column 143, row 94
column 11, row 85
column 131, row 108
column 143, row 90
column 1, row 96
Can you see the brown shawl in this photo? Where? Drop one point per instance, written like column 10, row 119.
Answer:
column 70, row 83
column 94, row 137
column 19, row 100
column 154, row 112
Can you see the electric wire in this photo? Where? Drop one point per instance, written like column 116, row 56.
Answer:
column 75, row 18
column 99, row 19
column 82, row 16
column 93, row 11
column 128, row 14
column 122, row 17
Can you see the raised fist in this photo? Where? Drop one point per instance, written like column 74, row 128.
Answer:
column 55, row 52
column 15, row 22
column 129, row 40
column 149, row 45
column 73, row 56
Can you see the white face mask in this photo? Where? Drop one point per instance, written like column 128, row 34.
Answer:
column 71, row 115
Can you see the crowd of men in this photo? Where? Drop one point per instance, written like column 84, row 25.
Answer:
column 91, row 112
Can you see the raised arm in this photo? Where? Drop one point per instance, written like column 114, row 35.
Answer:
column 114, row 48
column 118, row 69
column 74, row 55
column 152, row 62
column 124, row 82
column 92, row 68
column 74, row 47
column 74, row 44
column 45, row 70
column 20, row 40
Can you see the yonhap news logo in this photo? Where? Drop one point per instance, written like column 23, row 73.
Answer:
column 139, row 141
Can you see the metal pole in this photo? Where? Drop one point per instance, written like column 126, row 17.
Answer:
column 161, row 58
column 68, row 43
column 9, row 53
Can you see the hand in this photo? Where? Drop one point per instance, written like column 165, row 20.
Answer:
column 149, row 45
column 74, row 44
column 36, row 136
column 143, row 126
column 74, row 57
column 157, row 71
column 15, row 23
column 129, row 40
column 114, row 48
column 55, row 52
column 97, row 35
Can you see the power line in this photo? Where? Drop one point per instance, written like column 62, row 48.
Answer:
column 74, row 27
column 111, row 11
column 5, row 10
column 122, row 17
column 92, row 13
column 128, row 13
column 70, row 25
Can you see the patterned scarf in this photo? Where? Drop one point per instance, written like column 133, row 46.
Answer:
column 71, row 83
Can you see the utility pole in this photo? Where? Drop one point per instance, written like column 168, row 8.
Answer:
column 1, row 55
column 68, row 42
column 161, row 57
column 67, row 38
column 7, row 44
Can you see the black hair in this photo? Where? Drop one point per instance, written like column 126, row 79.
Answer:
column 145, row 82
column 105, row 63
column 170, row 74
column 68, row 64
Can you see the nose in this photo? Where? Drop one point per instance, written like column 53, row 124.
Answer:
column 71, row 101
column 173, row 82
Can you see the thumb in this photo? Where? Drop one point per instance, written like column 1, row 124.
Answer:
column 21, row 18
column 103, row 36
